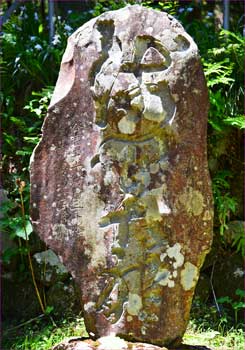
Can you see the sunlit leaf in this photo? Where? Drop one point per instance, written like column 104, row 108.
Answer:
column 24, row 233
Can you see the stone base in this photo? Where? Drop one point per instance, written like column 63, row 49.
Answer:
column 104, row 343
column 115, row 343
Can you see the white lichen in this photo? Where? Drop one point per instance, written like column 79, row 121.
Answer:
column 91, row 209
column 111, row 342
column 109, row 177
column 189, row 276
column 174, row 253
column 89, row 307
column 70, row 156
column 163, row 277
column 134, row 304
column 60, row 232
column 126, row 126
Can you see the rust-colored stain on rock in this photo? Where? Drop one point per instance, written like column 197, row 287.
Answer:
column 120, row 188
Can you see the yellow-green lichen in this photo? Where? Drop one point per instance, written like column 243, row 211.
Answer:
column 134, row 304
column 208, row 215
column 193, row 202
column 126, row 126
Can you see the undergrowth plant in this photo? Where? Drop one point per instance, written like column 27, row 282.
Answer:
column 236, row 305
column 42, row 335
column 223, row 70
column 17, row 166
column 29, row 68
column 225, row 203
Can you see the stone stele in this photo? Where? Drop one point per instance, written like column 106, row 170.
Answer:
column 120, row 188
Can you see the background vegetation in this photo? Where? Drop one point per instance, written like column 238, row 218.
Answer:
column 30, row 59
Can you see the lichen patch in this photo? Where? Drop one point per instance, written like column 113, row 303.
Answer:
column 109, row 177
column 126, row 126
column 134, row 304
column 189, row 276
column 174, row 253
column 163, row 277
column 111, row 342
column 90, row 306
column 207, row 215
column 91, row 209
column 193, row 201
column 60, row 232
column 70, row 156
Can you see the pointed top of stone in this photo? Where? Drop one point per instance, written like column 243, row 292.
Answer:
column 152, row 57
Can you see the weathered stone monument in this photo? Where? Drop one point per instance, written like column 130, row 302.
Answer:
column 120, row 188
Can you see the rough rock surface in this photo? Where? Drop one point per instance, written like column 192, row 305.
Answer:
column 120, row 188
column 48, row 268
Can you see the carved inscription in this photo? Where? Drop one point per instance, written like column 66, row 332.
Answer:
column 135, row 111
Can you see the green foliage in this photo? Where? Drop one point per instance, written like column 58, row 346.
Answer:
column 234, row 236
column 224, row 203
column 232, row 339
column 101, row 6
column 49, row 310
column 27, row 133
column 205, row 317
column 39, row 105
column 12, row 224
column 27, row 63
column 42, row 335
column 239, row 242
column 170, row 7
column 238, row 122
column 223, row 68
column 26, row 52
column 235, row 305
column 29, row 68
column 223, row 59
column 107, row 5
column 218, row 73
